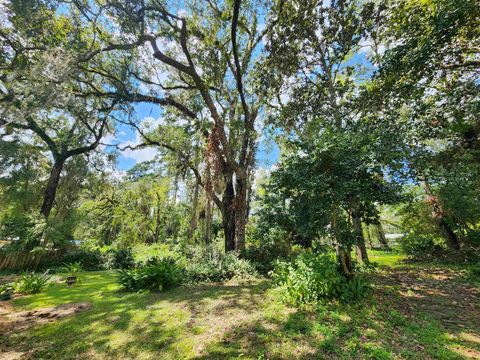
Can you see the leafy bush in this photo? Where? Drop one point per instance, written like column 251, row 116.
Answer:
column 156, row 274
column 208, row 264
column 90, row 259
column 28, row 228
column 72, row 268
column 6, row 291
column 265, row 248
column 31, row 283
column 473, row 274
column 311, row 278
column 355, row 289
column 419, row 245
column 118, row 259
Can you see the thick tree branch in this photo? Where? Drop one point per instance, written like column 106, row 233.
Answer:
column 238, row 72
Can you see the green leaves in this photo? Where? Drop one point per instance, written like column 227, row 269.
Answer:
column 157, row 275
column 310, row 278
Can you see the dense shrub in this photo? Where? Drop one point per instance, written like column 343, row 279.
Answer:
column 310, row 278
column 419, row 245
column 72, row 268
column 473, row 273
column 30, row 283
column 210, row 264
column 118, row 259
column 90, row 259
column 156, row 274
column 266, row 247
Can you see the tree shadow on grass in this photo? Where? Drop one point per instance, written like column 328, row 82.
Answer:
column 389, row 325
column 219, row 321
column 305, row 335
column 126, row 325
column 440, row 296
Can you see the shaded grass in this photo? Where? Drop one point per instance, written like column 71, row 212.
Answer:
column 246, row 320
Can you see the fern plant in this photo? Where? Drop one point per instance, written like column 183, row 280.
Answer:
column 157, row 274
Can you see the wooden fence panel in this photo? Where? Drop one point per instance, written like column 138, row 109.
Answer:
column 25, row 260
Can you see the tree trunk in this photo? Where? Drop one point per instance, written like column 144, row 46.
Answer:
column 51, row 189
column 208, row 221
column 345, row 260
column 438, row 213
column 452, row 240
column 228, row 214
column 342, row 251
column 381, row 236
column 175, row 190
column 360, row 248
column 193, row 220
column 156, row 233
column 369, row 237
column 240, row 214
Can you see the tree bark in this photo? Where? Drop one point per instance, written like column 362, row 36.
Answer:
column 228, row 214
column 343, row 251
column 438, row 213
column 156, row 234
column 369, row 237
column 175, row 190
column 240, row 213
column 51, row 189
column 208, row 221
column 452, row 240
column 345, row 260
column 381, row 236
column 193, row 220
column 360, row 248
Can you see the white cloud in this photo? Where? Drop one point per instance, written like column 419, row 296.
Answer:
column 4, row 14
column 144, row 153
column 150, row 123
column 118, row 174
column 367, row 47
column 139, row 155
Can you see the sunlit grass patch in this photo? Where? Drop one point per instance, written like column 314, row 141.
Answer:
column 386, row 258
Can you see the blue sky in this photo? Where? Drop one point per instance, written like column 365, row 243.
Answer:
column 267, row 155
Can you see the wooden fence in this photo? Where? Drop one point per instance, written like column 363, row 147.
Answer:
column 26, row 260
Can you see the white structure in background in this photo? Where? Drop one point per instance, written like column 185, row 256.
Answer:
column 392, row 238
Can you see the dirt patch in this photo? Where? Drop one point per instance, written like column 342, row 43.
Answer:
column 439, row 292
column 17, row 321
column 5, row 310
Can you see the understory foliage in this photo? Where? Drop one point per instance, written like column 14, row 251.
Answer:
column 207, row 264
column 312, row 278
column 118, row 259
column 30, row 283
column 72, row 268
column 95, row 259
column 197, row 265
column 157, row 275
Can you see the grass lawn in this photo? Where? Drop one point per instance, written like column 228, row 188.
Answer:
column 388, row 258
column 414, row 313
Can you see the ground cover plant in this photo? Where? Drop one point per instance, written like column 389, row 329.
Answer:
column 314, row 277
column 156, row 274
